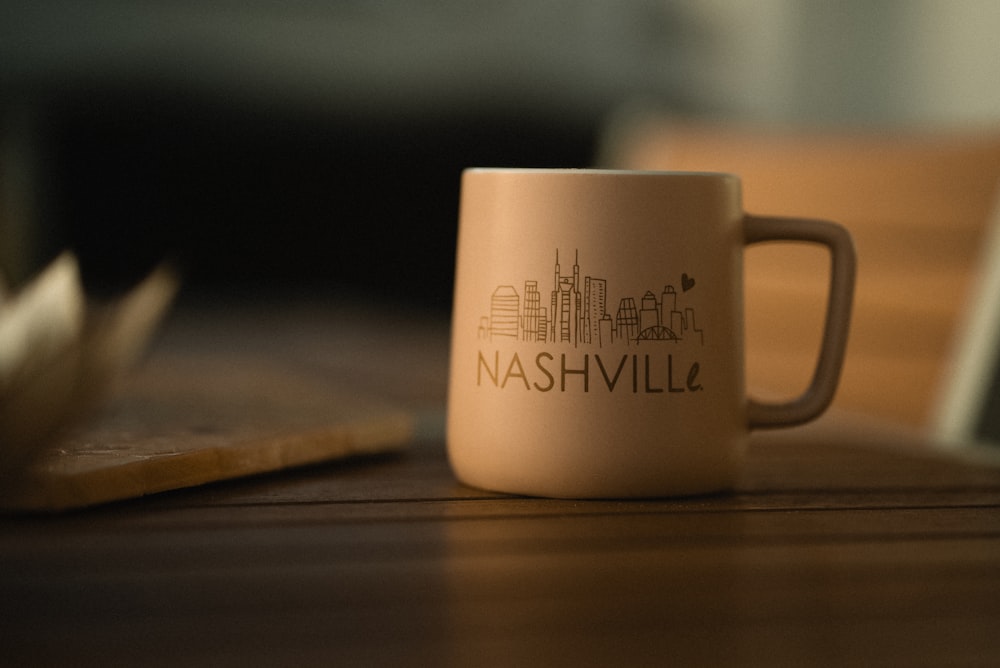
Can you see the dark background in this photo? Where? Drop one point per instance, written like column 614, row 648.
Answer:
column 231, row 197
column 308, row 144
column 320, row 142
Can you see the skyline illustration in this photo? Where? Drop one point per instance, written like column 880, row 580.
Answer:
column 576, row 312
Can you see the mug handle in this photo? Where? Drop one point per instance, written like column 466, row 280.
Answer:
column 821, row 389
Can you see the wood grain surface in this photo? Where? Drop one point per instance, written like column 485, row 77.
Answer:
column 846, row 543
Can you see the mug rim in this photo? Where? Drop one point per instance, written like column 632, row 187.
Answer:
column 600, row 172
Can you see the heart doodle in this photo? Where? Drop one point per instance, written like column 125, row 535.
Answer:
column 687, row 282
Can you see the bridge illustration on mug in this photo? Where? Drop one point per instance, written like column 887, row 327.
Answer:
column 576, row 313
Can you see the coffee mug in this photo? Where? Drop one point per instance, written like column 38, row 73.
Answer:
column 597, row 335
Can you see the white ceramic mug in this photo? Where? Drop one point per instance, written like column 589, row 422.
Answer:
column 597, row 333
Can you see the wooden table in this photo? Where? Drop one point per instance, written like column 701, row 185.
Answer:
column 845, row 544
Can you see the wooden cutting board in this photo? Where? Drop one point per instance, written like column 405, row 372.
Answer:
column 186, row 419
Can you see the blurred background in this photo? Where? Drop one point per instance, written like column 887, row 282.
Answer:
column 320, row 142
column 311, row 147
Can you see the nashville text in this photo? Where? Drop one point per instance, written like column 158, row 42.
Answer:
column 636, row 373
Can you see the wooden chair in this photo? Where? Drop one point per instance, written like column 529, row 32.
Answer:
column 917, row 206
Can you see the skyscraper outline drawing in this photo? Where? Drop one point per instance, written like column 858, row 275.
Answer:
column 577, row 312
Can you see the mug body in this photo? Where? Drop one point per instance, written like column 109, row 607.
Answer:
column 597, row 333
